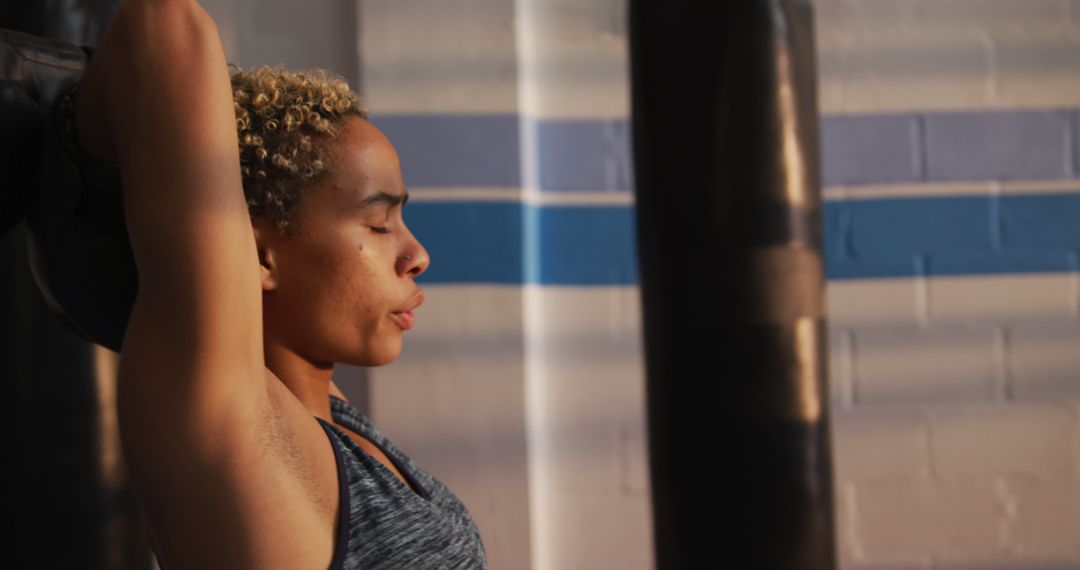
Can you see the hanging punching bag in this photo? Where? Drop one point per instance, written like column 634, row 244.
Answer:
column 61, row 472
column 728, row 217
column 78, row 245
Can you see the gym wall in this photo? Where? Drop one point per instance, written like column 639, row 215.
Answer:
column 950, row 132
column 951, row 169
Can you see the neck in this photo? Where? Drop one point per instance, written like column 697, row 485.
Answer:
column 309, row 381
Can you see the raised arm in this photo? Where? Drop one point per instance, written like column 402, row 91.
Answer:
column 171, row 116
column 192, row 393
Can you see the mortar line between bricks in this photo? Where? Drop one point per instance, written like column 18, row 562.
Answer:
column 850, row 503
column 1005, row 388
column 847, row 236
column 1006, row 499
column 992, row 84
column 996, row 221
column 853, row 376
column 921, row 153
column 1071, row 125
column 933, row 472
column 1076, row 439
column 848, row 375
column 922, row 290
column 1074, row 284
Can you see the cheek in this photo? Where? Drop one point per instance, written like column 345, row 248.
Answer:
column 317, row 276
column 350, row 288
column 342, row 287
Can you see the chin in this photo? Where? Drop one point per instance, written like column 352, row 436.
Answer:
column 378, row 356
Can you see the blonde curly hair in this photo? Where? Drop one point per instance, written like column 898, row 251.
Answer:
column 283, row 121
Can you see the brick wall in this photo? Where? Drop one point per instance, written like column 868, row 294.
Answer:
column 950, row 152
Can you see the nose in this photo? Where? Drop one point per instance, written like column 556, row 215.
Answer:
column 414, row 260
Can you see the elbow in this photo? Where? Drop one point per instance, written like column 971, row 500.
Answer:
column 159, row 35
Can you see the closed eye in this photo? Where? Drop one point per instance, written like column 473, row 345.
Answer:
column 380, row 229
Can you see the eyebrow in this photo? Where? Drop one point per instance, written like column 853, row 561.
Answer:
column 386, row 198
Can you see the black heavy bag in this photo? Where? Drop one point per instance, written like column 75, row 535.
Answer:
column 79, row 250
column 728, row 216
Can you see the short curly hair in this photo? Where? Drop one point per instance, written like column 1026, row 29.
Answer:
column 283, row 121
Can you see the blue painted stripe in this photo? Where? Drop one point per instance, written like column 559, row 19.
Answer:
column 456, row 150
column 488, row 242
column 1047, row 222
column 972, row 235
column 1003, row 145
column 1007, row 261
column 470, row 242
column 916, row 225
column 871, row 149
column 591, row 155
column 586, row 246
column 584, row 155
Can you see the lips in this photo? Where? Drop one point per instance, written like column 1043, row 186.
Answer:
column 404, row 320
column 405, row 317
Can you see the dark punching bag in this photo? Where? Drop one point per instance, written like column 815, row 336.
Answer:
column 729, row 233
column 67, row 497
column 78, row 245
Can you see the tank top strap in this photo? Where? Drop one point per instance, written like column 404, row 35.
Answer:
column 341, row 537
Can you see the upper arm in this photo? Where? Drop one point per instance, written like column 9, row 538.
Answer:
column 209, row 448
column 197, row 316
column 192, row 356
column 192, row 387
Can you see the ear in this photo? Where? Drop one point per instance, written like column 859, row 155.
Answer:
column 266, row 245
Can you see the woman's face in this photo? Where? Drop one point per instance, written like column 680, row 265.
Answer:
column 340, row 287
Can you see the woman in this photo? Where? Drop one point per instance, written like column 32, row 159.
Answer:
column 255, row 277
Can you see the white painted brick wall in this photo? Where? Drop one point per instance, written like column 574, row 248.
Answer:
column 574, row 58
column 888, row 302
column 960, row 444
column 840, row 366
column 941, row 14
column 902, row 69
column 850, row 548
column 275, row 32
column 965, row 485
column 912, row 365
column 882, row 446
column 999, row 299
column 1076, row 444
column 1002, row 439
column 590, row 475
column 1047, row 520
column 431, row 56
column 916, row 521
column 1033, row 69
column 878, row 55
column 1044, row 360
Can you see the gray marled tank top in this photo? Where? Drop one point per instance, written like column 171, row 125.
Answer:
column 386, row 525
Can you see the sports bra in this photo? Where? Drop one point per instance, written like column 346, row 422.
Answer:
column 384, row 524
